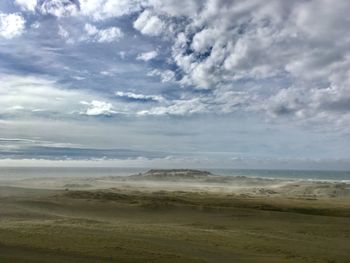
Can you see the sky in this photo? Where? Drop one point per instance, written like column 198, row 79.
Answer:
column 165, row 83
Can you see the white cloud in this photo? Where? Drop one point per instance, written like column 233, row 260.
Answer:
column 106, row 73
column 178, row 8
column 177, row 107
column 107, row 35
column 32, row 93
column 63, row 32
column 35, row 25
column 141, row 97
column 90, row 29
column 219, row 45
column 122, row 54
column 15, row 108
column 27, row 4
column 11, row 25
column 294, row 54
column 165, row 75
column 103, row 9
column 97, row 107
column 147, row 55
column 38, row 95
column 149, row 24
column 59, row 8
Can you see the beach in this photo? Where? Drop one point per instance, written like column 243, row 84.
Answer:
column 173, row 216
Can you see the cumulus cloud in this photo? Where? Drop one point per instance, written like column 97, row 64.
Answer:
column 149, row 24
column 102, row 9
column 146, row 56
column 139, row 97
column 107, row 35
column 218, row 45
column 11, row 25
column 97, row 107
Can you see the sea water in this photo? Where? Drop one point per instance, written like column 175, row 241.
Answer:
column 287, row 174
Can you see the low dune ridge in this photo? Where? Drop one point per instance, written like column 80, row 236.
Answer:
column 173, row 174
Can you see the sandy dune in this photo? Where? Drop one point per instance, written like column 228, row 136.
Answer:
column 193, row 180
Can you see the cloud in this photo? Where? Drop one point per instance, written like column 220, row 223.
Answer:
column 223, row 102
column 63, row 33
column 25, row 96
column 103, row 9
column 139, row 97
column 16, row 143
column 328, row 106
column 11, row 25
column 107, row 35
column 165, row 75
column 23, row 149
column 177, row 107
column 30, row 93
column 279, row 57
column 27, row 4
column 147, row 55
column 287, row 102
column 179, row 8
column 220, row 45
column 149, row 24
column 59, row 8
column 90, row 29
column 96, row 108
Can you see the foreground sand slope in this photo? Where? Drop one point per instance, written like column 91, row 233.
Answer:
column 159, row 217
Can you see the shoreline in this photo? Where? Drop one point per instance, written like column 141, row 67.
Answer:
column 287, row 174
column 193, row 181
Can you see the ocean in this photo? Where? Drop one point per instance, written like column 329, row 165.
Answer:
column 7, row 173
column 287, row 174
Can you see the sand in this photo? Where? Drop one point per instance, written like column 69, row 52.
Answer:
column 173, row 216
